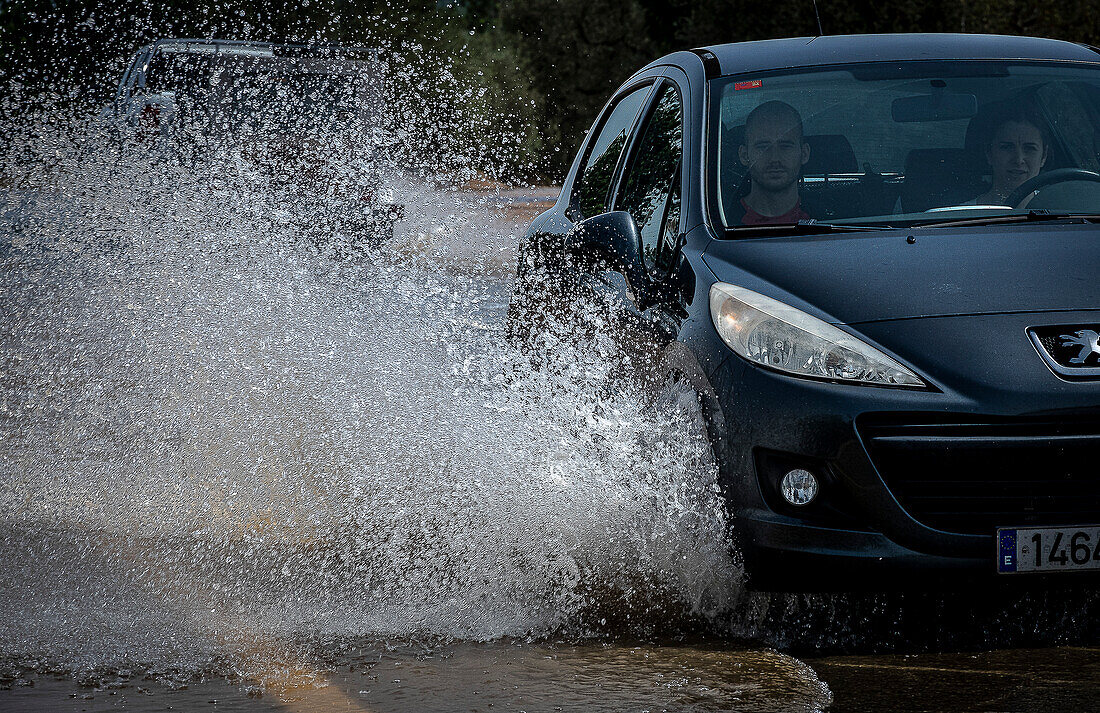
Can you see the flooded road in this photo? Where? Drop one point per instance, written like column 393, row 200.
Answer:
column 514, row 676
column 605, row 677
column 229, row 556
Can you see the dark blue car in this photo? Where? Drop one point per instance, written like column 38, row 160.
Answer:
column 876, row 260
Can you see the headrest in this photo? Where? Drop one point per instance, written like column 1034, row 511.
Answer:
column 830, row 153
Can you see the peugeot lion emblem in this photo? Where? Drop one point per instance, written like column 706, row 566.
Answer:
column 1087, row 339
column 1071, row 351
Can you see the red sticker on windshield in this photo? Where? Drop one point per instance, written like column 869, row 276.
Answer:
column 751, row 84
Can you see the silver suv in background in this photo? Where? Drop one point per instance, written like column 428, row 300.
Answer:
column 305, row 118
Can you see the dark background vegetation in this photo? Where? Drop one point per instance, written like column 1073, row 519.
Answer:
column 545, row 66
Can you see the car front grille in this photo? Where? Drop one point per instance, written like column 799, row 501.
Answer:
column 975, row 476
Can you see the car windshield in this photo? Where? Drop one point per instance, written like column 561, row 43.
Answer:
column 904, row 144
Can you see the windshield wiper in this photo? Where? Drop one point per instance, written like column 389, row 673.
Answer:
column 1030, row 216
column 802, row 227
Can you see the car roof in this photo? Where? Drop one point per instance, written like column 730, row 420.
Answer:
column 763, row 55
column 182, row 45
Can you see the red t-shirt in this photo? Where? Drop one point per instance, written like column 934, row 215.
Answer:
column 792, row 216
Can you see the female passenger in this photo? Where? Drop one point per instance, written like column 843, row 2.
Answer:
column 1018, row 148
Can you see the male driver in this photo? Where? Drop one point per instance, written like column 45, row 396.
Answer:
column 774, row 153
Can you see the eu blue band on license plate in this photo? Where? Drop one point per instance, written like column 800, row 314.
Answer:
column 1006, row 551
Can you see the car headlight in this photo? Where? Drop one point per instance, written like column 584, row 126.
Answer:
column 773, row 334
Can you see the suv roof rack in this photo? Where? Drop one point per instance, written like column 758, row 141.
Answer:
column 262, row 49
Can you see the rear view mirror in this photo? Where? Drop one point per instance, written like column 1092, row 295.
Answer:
column 937, row 106
column 612, row 239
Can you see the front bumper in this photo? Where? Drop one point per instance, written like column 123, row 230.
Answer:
column 786, row 554
column 869, row 530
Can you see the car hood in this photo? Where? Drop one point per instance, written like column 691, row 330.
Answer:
column 989, row 359
column 850, row 278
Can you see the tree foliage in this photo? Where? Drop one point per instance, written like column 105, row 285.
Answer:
column 579, row 50
column 534, row 73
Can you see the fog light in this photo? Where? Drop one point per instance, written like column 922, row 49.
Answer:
column 799, row 487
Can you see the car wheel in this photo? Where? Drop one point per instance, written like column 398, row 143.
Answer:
column 682, row 376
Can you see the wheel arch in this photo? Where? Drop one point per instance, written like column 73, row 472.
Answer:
column 678, row 360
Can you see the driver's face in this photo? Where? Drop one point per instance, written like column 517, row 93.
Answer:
column 774, row 153
column 1015, row 154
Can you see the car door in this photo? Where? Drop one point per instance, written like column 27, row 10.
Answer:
column 607, row 293
column 544, row 286
column 650, row 189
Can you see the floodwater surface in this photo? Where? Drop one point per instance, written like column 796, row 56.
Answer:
column 607, row 677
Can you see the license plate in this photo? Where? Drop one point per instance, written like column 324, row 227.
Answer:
column 1053, row 549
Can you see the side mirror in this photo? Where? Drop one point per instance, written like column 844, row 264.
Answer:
column 612, row 239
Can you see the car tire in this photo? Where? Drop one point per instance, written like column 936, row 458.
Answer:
column 677, row 362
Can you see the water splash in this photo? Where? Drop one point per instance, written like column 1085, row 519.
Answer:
column 222, row 437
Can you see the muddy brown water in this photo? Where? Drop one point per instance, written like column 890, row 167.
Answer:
column 615, row 677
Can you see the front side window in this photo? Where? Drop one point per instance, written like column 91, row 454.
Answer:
column 593, row 183
column 905, row 143
column 651, row 187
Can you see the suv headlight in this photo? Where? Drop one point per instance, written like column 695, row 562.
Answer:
column 776, row 335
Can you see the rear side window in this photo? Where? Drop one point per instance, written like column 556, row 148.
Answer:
column 594, row 181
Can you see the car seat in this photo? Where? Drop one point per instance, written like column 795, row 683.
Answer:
column 935, row 178
column 830, row 154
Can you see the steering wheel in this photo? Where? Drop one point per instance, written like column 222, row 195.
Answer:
column 1059, row 175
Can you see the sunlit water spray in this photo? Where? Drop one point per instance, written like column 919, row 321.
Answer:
column 225, row 445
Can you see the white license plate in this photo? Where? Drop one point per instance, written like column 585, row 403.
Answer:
column 1050, row 549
